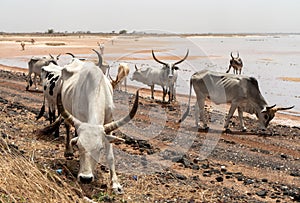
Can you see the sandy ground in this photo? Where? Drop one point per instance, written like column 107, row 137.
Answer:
column 195, row 166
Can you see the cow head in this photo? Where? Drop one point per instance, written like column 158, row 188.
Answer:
column 170, row 67
column 92, row 139
column 138, row 74
column 268, row 113
column 236, row 61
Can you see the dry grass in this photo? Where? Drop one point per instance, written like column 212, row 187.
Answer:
column 21, row 180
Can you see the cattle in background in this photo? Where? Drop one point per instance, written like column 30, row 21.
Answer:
column 241, row 92
column 123, row 72
column 22, row 45
column 169, row 76
column 35, row 65
column 236, row 63
column 165, row 77
column 101, row 47
column 86, row 102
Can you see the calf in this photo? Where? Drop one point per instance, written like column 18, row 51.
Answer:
column 123, row 72
column 236, row 63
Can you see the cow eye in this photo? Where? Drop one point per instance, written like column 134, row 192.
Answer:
column 266, row 117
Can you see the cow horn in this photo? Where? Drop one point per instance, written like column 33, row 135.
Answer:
column 238, row 55
column 71, row 54
column 100, row 58
column 231, row 55
column 270, row 107
column 178, row 62
column 51, row 56
column 136, row 68
column 65, row 114
column 283, row 108
column 116, row 124
column 57, row 57
column 158, row 60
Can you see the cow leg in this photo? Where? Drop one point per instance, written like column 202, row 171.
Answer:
column 34, row 81
column 29, row 81
column 69, row 148
column 125, row 84
column 152, row 91
column 165, row 92
column 241, row 120
column 113, row 176
column 200, row 110
column 228, row 69
column 230, row 114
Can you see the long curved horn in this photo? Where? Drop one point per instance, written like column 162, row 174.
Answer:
column 100, row 58
column 65, row 114
column 238, row 55
column 284, row 108
column 71, row 54
column 178, row 62
column 231, row 55
column 116, row 124
column 157, row 59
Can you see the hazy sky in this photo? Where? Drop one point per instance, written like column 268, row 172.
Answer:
column 180, row 16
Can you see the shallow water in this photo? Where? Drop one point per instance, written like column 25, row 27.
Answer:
column 267, row 58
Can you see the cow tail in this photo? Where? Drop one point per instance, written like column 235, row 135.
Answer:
column 42, row 111
column 48, row 130
column 188, row 109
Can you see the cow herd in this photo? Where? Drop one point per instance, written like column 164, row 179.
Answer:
column 82, row 94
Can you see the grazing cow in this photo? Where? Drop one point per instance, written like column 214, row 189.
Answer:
column 165, row 77
column 236, row 63
column 35, row 65
column 86, row 102
column 123, row 72
column 241, row 92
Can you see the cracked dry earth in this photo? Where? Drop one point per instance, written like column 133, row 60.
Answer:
column 162, row 161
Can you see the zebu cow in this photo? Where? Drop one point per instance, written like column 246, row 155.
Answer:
column 241, row 92
column 165, row 77
column 34, row 66
column 123, row 72
column 236, row 63
column 86, row 102
column 51, row 77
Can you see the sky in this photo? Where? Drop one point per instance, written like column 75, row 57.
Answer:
column 171, row 16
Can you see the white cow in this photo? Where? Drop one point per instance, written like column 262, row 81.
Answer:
column 123, row 72
column 34, row 66
column 165, row 77
column 86, row 102
column 241, row 92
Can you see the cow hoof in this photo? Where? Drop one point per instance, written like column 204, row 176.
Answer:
column 118, row 190
column 244, row 129
column 227, row 130
column 69, row 155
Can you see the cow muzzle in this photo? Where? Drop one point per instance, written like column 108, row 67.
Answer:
column 85, row 179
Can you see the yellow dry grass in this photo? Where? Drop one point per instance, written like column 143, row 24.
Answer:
column 21, row 180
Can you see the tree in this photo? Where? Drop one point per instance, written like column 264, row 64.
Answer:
column 123, row 32
column 50, row 31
